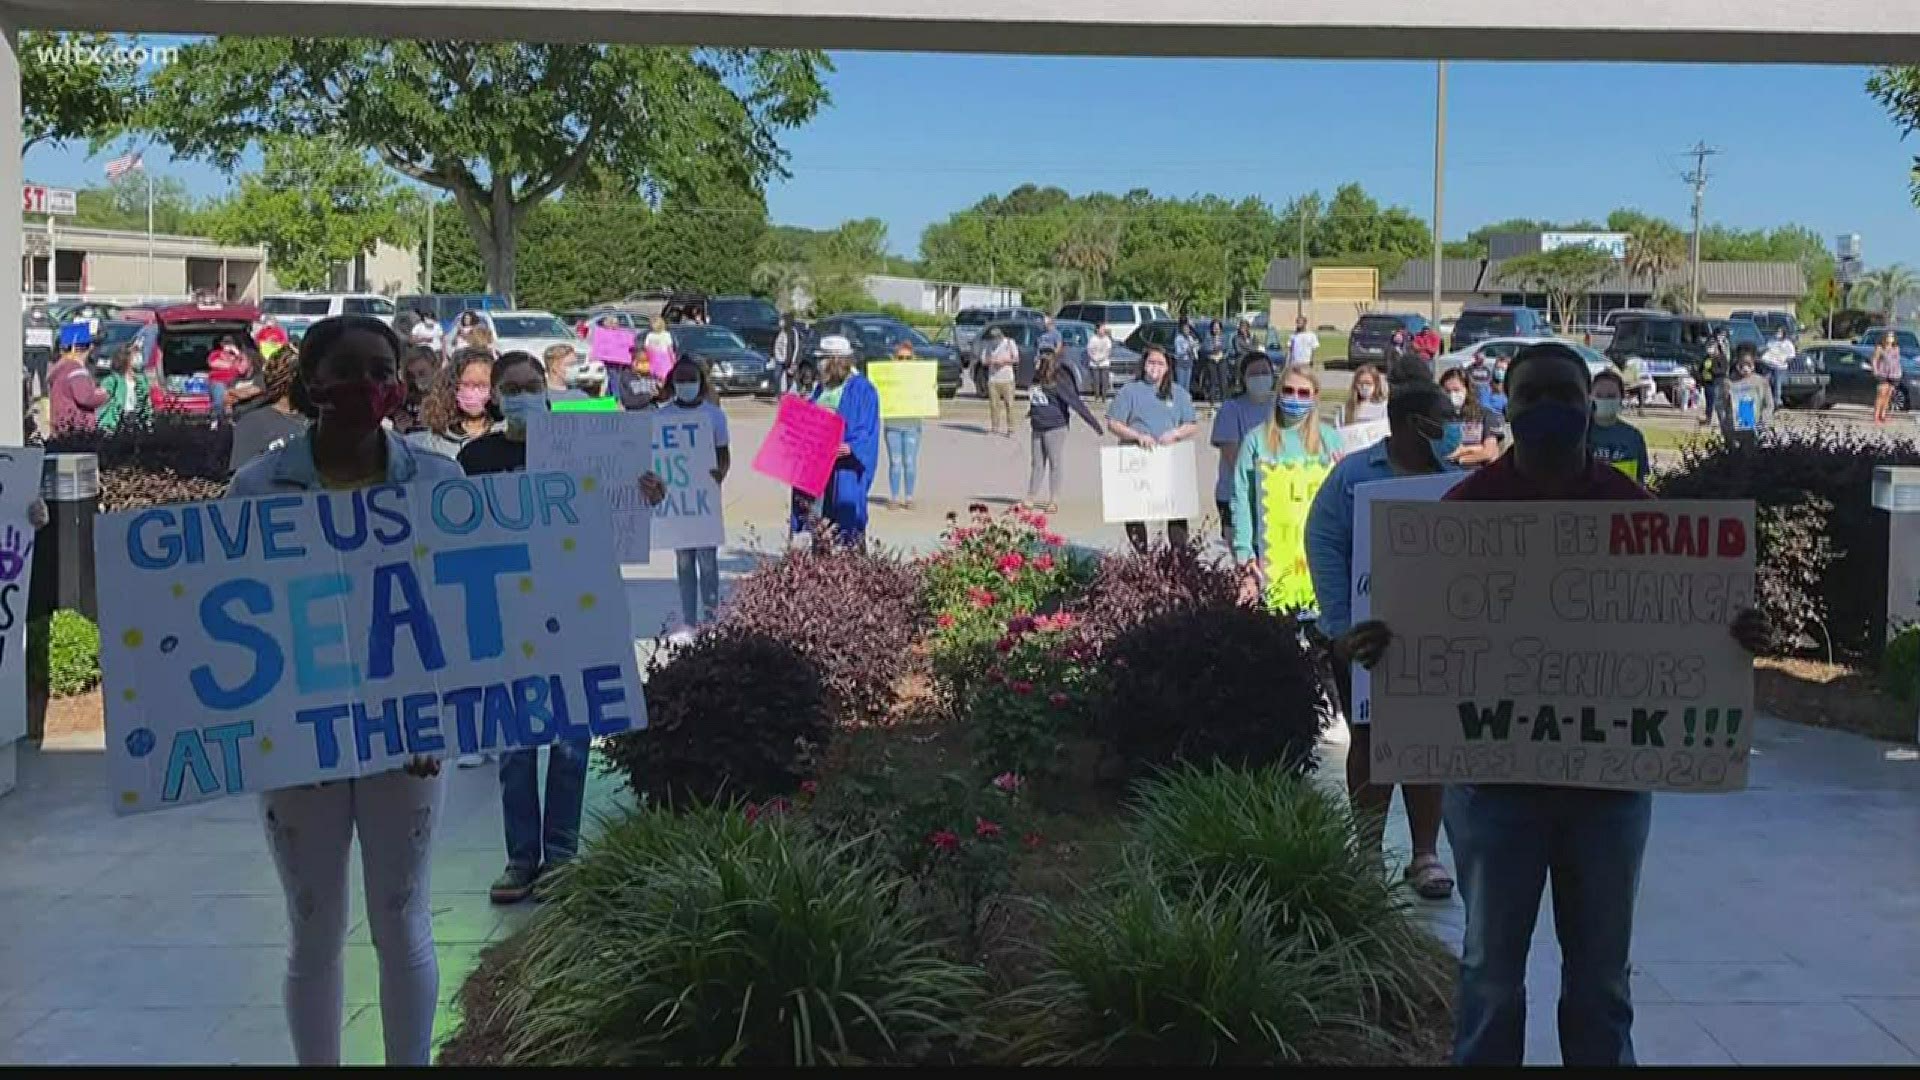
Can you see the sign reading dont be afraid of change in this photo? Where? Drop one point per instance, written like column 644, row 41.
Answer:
column 1579, row 644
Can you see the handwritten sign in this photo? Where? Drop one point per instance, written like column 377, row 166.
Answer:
column 262, row 643
column 611, row 345
column 1137, row 484
column 610, row 451
column 19, row 486
column 1428, row 488
column 684, row 460
column 909, row 389
column 1359, row 436
column 802, row 446
column 1286, row 494
column 1581, row 644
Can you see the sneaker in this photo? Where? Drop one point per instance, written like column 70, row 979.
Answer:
column 515, row 885
column 470, row 761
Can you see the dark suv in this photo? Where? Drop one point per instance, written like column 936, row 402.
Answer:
column 755, row 320
column 1478, row 324
column 1770, row 322
column 1664, row 346
column 1368, row 342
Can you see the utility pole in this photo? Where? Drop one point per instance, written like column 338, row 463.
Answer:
column 1698, row 178
column 1300, row 261
column 427, row 285
column 1439, row 177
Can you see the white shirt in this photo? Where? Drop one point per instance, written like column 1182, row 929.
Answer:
column 1300, row 347
column 1779, row 352
column 1100, row 350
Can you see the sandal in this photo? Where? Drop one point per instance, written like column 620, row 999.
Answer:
column 1430, row 878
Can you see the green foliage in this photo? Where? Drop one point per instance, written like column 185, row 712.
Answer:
column 987, row 573
column 1034, row 693
column 1566, row 274
column 1885, row 287
column 122, row 204
column 1897, row 89
column 64, row 654
column 711, row 938
column 502, row 126
column 62, row 99
column 1900, row 664
column 316, row 203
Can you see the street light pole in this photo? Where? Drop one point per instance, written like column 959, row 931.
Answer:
column 1439, row 176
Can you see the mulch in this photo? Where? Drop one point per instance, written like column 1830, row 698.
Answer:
column 1833, row 696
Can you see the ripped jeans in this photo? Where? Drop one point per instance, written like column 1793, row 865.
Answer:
column 310, row 830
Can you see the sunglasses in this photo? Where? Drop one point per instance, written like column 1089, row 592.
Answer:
column 1296, row 392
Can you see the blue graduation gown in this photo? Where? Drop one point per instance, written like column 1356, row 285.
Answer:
column 845, row 503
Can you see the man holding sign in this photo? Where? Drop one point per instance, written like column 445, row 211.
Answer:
column 1509, row 838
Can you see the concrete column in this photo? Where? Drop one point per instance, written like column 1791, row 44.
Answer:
column 13, row 714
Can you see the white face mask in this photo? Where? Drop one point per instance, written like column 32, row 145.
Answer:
column 1606, row 410
column 1458, row 397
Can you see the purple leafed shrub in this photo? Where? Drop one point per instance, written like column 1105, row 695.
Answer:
column 177, row 459
column 854, row 614
column 1132, row 588
column 734, row 715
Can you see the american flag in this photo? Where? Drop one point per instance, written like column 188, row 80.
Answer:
column 123, row 165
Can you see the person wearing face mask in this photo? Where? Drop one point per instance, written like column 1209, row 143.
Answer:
column 540, row 836
column 129, row 392
column 1369, row 394
column 902, row 436
column 1279, row 425
column 419, row 371
column 848, row 393
column 1423, row 433
column 459, row 407
column 1510, row 839
column 1610, row 438
column 1052, row 402
column 1480, row 426
column 350, row 366
column 1746, row 401
column 694, row 398
column 277, row 415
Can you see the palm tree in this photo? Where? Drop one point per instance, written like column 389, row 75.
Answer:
column 1889, row 285
column 784, row 281
column 1053, row 285
column 1655, row 250
column 1090, row 248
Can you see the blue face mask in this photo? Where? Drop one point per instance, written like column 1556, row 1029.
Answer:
column 518, row 407
column 686, row 393
column 1294, row 410
column 1260, row 387
column 1450, row 439
column 1550, row 425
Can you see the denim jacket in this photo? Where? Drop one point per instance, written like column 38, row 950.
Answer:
column 291, row 467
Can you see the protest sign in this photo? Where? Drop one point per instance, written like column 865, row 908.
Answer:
column 609, row 451
column 1286, row 495
column 1362, row 435
column 261, row 643
column 802, row 447
column 19, row 486
column 909, row 389
column 611, row 345
column 1428, row 488
column 1137, row 484
column 1746, row 412
column 684, row 460
column 1573, row 644
column 578, row 405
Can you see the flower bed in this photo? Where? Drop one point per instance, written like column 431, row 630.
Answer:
column 958, row 885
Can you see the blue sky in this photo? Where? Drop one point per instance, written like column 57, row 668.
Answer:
column 910, row 138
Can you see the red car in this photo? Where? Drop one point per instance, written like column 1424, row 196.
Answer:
column 176, row 340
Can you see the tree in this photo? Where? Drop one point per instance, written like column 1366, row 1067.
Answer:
column 1888, row 285
column 785, row 282
column 1089, row 249
column 123, row 205
column 1897, row 89
column 503, row 126
column 1050, row 286
column 314, row 204
column 70, row 88
column 1654, row 250
column 1565, row 274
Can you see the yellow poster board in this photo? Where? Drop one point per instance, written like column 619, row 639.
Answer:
column 1631, row 468
column 1287, row 492
column 909, row 389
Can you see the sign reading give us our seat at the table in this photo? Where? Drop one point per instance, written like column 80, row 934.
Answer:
column 280, row 640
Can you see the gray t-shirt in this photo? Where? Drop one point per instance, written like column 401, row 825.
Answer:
column 1140, row 408
column 1237, row 418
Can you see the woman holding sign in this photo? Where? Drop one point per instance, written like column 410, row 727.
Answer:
column 848, row 393
column 537, row 842
column 350, row 365
column 903, row 446
column 1153, row 411
column 699, row 568
column 1288, row 431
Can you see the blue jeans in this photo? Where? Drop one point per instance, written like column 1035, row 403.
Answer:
column 533, row 840
column 1507, row 840
column 218, row 391
column 903, row 458
column 699, row 572
column 1183, row 374
column 1776, row 381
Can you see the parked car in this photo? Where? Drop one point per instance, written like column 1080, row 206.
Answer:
column 1741, row 332
column 1601, row 336
column 1367, row 342
column 1123, row 364
column 1477, row 324
column 733, row 365
column 1771, row 322
column 445, row 307
column 525, row 331
column 305, row 309
column 968, row 324
column 1665, row 347
column 1909, row 341
column 755, row 320
column 1493, row 350
column 39, row 326
column 1122, row 316
column 175, row 340
column 1850, row 378
column 1804, row 385
column 874, row 337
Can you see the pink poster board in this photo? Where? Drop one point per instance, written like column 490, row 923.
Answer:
column 659, row 361
column 611, row 345
column 801, row 448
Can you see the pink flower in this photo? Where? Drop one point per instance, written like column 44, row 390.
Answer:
column 944, row 840
column 779, row 806
column 945, row 621
column 981, row 598
column 1021, row 686
column 1033, row 840
column 1011, row 562
column 1022, row 624
column 986, row 830
column 1057, row 699
column 1008, row 782
column 994, row 674
column 810, row 787
column 1043, row 563
column 1053, row 540
column 753, row 813
column 1005, row 644
column 1037, row 520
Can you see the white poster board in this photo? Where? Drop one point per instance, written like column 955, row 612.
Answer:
column 1573, row 644
column 1362, row 435
column 261, row 643
column 612, row 450
column 1428, row 488
column 684, row 458
column 1137, row 484
column 19, row 486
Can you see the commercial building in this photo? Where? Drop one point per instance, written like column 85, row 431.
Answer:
column 121, row 265
column 926, row 296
